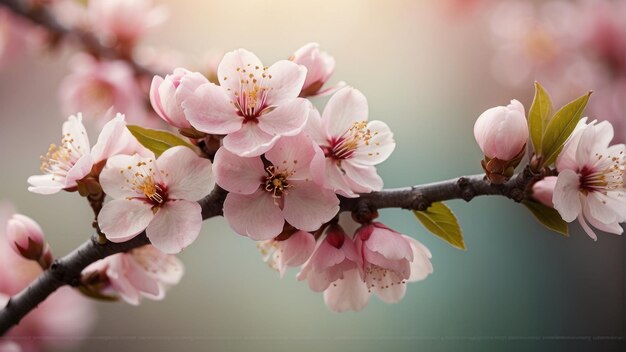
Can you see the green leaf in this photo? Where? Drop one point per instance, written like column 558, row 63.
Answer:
column 440, row 220
column 539, row 115
column 561, row 127
column 547, row 216
column 157, row 141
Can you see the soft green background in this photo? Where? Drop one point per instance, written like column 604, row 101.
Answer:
column 425, row 73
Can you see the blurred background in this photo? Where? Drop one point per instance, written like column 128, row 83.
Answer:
column 428, row 69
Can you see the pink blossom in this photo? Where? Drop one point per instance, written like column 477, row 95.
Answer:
column 26, row 237
column 352, row 146
column 347, row 294
column 590, row 185
column 262, row 197
column 74, row 159
column 167, row 95
column 124, row 21
column 543, row 190
column 390, row 260
column 253, row 105
column 144, row 271
column 159, row 196
column 334, row 256
column 281, row 254
column 320, row 66
column 98, row 87
column 502, row 132
column 61, row 318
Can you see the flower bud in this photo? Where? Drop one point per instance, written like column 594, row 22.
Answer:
column 320, row 66
column 502, row 132
column 26, row 237
column 543, row 190
column 167, row 95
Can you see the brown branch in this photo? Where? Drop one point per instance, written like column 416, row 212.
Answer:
column 66, row 270
column 40, row 15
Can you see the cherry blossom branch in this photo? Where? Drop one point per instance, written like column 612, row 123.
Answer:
column 67, row 270
column 39, row 14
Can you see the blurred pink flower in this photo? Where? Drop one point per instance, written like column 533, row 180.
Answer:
column 144, row 271
column 502, row 131
column 263, row 197
column 590, row 185
column 74, row 158
column 352, row 146
column 320, row 66
column 281, row 253
column 124, row 21
column 26, row 237
column 167, row 95
column 253, row 105
column 159, row 196
column 98, row 88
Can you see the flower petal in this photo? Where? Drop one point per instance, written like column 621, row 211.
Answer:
column 287, row 119
column 308, row 206
column 45, row 184
column 114, row 177
column 122, row 219
column 236, row 65
column 421, row 266
column 249, row 141
column 285, row 82
column 565, row 197
column 254, row 215
column 362, row 179
column 175, row 226
column 349, row 293
column 293, row 153
column 344, row 108
column 187, row 175
column 81, row 169
column 237, row 174
column 210, row 110
column 378, row 148
column 115, row 139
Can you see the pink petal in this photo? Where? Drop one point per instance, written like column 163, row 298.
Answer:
column 236, row 65
column 362, row 179
column 116, row 183
column 344, row 108
column 335, row 178
column 308, row 206
column 255, row 215
column 187, row 175
column 164, row 267
column 249, row 141
column 350, row 293
column 73, row 129
column 390, row 244
column 285, row 83
column 140, row 279
column 298, row 248
column 421, row 266
column 379, row 147
column 81, row 169
column 586, row 227
column 175, row 226
column 287, row 119
column 566, row 200
column 122, row 219
column 45, row 184
column 155, row 99
column 293, row 153
column 115, row 139
column 210, row 110
column 389, row 290
column 237, row 174
column 315, row 128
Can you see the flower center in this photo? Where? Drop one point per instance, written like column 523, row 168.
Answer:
column 251, row 99
column 607, row 174
column 276, row 182
column 60, row 159
column 141, row 179
column 346, row 145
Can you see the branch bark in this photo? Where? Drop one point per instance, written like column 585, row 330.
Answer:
column 66, row 270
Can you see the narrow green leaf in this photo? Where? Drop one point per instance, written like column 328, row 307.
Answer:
column 440, row 220
column 539, row 115
column 561, row 127
column 157, row 141
column 547, row 216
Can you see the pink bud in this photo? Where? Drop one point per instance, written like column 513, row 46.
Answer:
column 167, row 95
column 320, row 66
column 502, row 132
column 543, row 190
column 25, row 237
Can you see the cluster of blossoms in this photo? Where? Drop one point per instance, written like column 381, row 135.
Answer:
column 588, row 182
column 284, row 165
